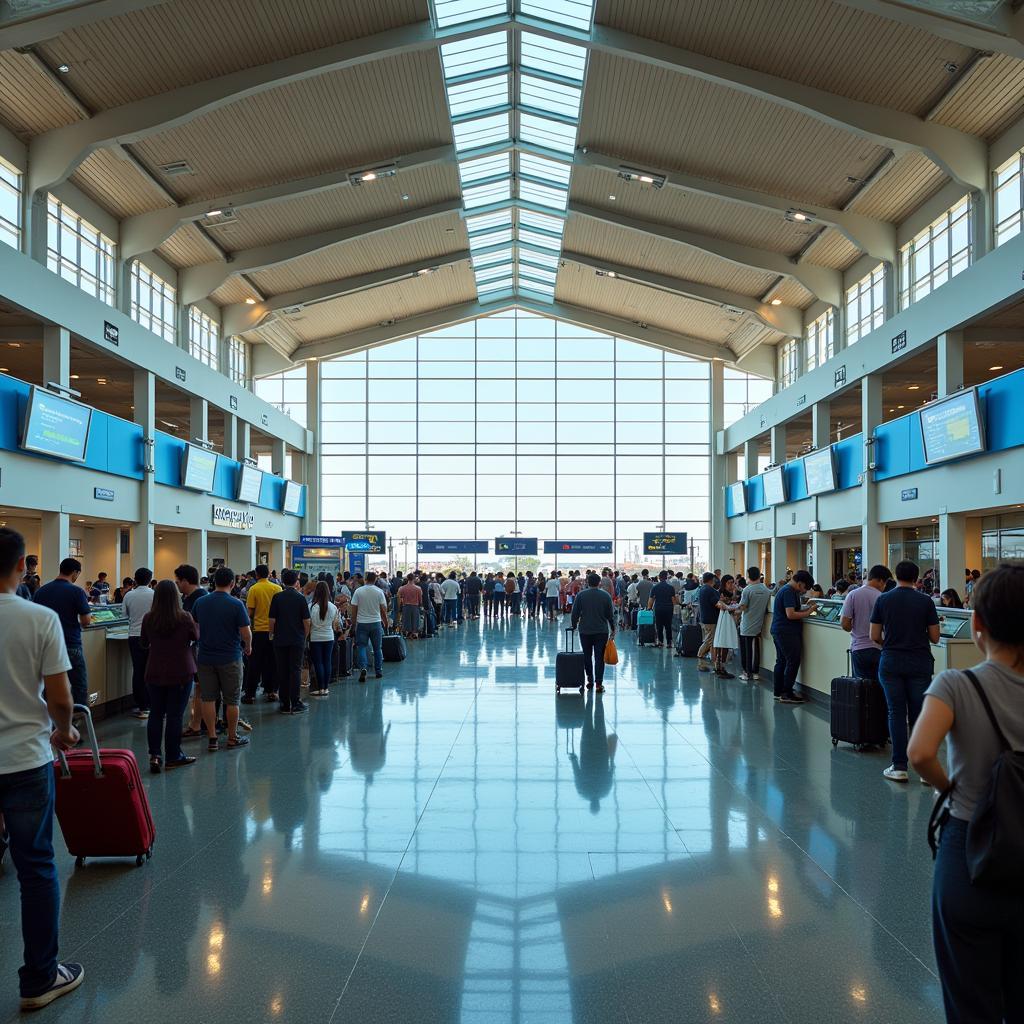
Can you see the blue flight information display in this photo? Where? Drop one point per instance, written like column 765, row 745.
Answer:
column 55, row 426
column 665, row 544
column 578, row 547
column 371, row 542
column 951, row 427
column 292, row 497
column 451, row 547
column 515, row 545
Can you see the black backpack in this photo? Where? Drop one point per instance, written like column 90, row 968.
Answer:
column 995, row 835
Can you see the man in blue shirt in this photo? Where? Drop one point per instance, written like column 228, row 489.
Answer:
column 68, row 600
column 663, row 601
column 788, row 634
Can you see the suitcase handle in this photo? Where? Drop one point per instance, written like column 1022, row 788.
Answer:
column 571, row 636
column 83, row 714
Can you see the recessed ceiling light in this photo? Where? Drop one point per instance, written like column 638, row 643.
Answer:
column 611, row 197
column 74, row 376
column 913, row 387
column 101, row 380
column 14, row 344
column 214, row 213
column 3, row 369
column 405, row 197
column 63, row 68
column 900, row 407
column 776, row 302
column 993, row 368
column 250, row 302
column 424, row 271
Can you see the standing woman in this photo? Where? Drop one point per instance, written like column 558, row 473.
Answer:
column 498, row 597
column 168, row 633
column 324, row 626
column 977, row 928
column 512, row 595
column 726, row 636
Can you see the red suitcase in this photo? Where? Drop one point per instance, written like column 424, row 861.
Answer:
column 101, row 806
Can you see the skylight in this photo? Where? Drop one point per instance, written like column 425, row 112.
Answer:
column 471, row 171
column 569, row 13
column 543, row 195
column 492, row 259
column 542, row 169
column 551, row 134
column 478, row 95
column 469, row 56
column 459, row 12
column 550, row 97
column 562, row 60
column 483, row 131
column 487, row 193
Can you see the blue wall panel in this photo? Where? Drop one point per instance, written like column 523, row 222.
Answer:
column 796, row 480
column 849, row 458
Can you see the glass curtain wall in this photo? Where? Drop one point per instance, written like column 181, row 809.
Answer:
column 517, row 422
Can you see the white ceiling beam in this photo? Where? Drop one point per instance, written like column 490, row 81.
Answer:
column 239, row 317
column 147, row 231
column 44, row 24
column 1004, row 34
column 195, row 283
column 785, row 319
column 822, row 282
column 876, row 237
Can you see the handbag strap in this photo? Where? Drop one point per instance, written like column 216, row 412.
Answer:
column 938, row 818
column 988, row 709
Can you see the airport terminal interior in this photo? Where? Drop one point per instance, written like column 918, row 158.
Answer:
column 531, row 288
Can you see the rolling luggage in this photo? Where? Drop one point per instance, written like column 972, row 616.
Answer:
column 689, row 640
column 645, row 633
column 341, row 657
column 101, row 806
column 859, row 712
column 569, row 671
column 393, row 647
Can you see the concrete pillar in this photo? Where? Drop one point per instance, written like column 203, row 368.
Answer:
column 276, row 549
column 231, row 422
column 750, row 456
column 821, row 557
column 778, row 444
column 56, row 539
column 197, row 555
column 243, row 443
column 143, row 540
column 199, row 419
column 311, row 460
column 57, row 356
column 33, row 233
column 719, row 468
column 182, row 328
column 952, row 550
column 123, row 288
column 751, row 555
column 891, row 293
column 242, row 552
column 779, row 559
column 950, row 362
column 277, row 454
column 821, row 424
column 872, row 546
column 981, row 223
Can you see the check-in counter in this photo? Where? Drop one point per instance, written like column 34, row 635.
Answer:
column 826, row 644
column 107, row 659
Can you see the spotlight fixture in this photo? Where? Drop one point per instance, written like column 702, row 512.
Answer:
column 63, row 68
column 250, row 301
column 913, row 387
column 643, row 177
column 425, row 271
column 4, row 369
column 101, row 380
column 369, row 174
column 900, row 406
column 992, row 369
column 214, row 213
column 611, row 198
column 405, row 197
column 776, row 302
column 799, row 217
column 74, row 376
column 605, row 273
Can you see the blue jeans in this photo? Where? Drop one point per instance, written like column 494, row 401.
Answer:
column 320, row 654
column 26, row 802
column 978, row 934
column 865, row 662
column 78, row 677
column 904, row 679
column 367, row 633
column 166, row 707
column 789, row 649
column 451, row 610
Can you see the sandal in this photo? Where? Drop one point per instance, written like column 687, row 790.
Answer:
column 213, row 746
column 238, row 741
column 190, row 733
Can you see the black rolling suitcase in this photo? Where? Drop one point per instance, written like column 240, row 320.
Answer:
column 341, row 657
column 393, row 647
column 859, row 713
column 689, row 640
column 569, row 671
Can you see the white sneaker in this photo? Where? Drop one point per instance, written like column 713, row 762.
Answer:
column 895, row 774
column 69, row 977
column 745, row 677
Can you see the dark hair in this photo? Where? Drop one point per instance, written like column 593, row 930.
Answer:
column 288, row 577
column 997, row 599
column 804, row 577
column 370, row 577
column 322, row 598
column 102, row 576
column 727, row 579
column 708, row 576
column 753, row 573
column 143, row 576
column 879, row 572
column 663, row 575
column 12, row 547
column 842, row 585
column 69, row 566
column 593, row 580
column 187, row 574
column 953, row 598
column 262, row 571
column 303, row 578
column 907, row 571
column 223, row 577
column 166, row 612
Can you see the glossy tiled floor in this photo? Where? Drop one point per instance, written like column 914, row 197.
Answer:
column 458, row 845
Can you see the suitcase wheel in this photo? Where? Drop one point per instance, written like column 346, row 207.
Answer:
column 139, row 860
column 79, row 861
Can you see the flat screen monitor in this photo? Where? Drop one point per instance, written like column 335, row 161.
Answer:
column 738, row 491
column 198, row 468
column 820, row 471
column 250, row 480
column 774, row 481
column 292, row 497
column 951, row 427
column 55, row 426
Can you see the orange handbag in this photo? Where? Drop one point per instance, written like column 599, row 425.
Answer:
column 611, row 653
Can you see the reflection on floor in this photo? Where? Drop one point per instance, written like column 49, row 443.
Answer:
column 455, row 844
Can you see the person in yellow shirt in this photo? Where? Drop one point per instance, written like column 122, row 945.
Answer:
column 260, row 666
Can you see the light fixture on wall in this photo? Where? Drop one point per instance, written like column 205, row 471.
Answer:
column 776, row 302
column 250, row 301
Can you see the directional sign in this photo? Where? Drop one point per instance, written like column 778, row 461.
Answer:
column 515, row 545
column 451, row 547
column 578, row 547
column 665, row 544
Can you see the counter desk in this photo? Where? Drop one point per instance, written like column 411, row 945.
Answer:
column 827, row 645
column 107, row 659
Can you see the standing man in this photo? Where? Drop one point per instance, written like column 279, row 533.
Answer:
column 552, row 591
column 858, row 605
column 788, row 633
column 593, row 614
column 753, row 608
column 259, row 668
column 224, row 634
column 369, row 621
column 136, row 606
column 905, row 623
column 31, row 567
column 662, row 601
column 450, row 595
column 707, row 611
column 186, row 579
column 35, row 711
column 289, row 624
column 63, row 596
column 473, row 588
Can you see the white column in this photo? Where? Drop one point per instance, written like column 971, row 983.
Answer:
column 821, row 424
column 243, row 445
column 778, row 444
column 182, row 328
column 821, row 556
column 277, row 551
column 950, row 354
column 872, row 546
column 199, row 419
column 242, row 552
column 719, row 470
column 197, row 555
column 750, row 457
column 751, row 555
column 143, row 541
column 123, row 288
column 231, row 422
column 891, row 290
column 952, row 550
column 57, row 356
column 277, row 454
column 56, row 539
column 777, row 438
column 311, row 460
column 33, row 235
column 981, row 223
column 777, row 569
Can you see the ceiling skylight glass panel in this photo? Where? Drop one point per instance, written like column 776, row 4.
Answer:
column 550, row 134
column 490, row 192
column 543, row 195
column 478, row 95
column 548, row 170
column 458, row 12
column 541, row 259
column 470, row 56
column 541, row 241
column 493, row 273
column 483, row 131
column 491, row 259
column 536, row 273
column 553, row 97
column 569, row 13
column 552, row 56
column 541, row 221
column 489, row 221
column 484, row 167
column 542, row 291
column 504, row 284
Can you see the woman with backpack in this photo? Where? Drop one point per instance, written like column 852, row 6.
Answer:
column 978, row 904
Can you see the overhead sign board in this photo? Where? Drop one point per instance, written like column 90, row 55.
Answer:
column 233, row 518
column 665, row 544
column 515, row 545
column 373, row 542
column 323, row 542
column 451, row 547
column 578, row 547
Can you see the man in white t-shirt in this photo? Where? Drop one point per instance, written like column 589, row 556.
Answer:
column 136, row 606
column 36, row 710
column 450, row 591
column 552, row 591
column 369, row 620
